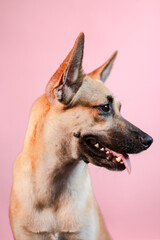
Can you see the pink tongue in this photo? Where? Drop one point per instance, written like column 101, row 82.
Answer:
column 126, row 160
column 127, row 163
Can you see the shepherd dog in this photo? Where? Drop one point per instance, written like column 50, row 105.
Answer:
column 75, row 122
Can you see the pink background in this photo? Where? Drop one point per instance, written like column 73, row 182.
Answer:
column 35, row 37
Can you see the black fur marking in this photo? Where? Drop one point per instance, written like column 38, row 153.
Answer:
column 110, row 99
column 58, row 183
column 39, row 206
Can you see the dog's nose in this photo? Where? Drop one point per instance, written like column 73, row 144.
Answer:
column 146, row 141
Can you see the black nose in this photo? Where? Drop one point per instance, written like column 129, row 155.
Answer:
column 146, row 141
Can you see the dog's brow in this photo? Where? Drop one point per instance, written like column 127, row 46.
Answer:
column 110, row 99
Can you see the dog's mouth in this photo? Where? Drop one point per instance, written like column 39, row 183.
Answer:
column 103, row 156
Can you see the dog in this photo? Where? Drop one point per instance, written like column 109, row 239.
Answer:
column 77, row 121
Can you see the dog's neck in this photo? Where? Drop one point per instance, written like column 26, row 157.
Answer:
column 64, row 178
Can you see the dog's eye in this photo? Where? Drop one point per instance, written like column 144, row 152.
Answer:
column 105, row 108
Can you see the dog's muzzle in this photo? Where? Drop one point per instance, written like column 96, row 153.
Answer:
column 110, row 149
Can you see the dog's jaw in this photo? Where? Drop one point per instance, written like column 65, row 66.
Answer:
column 99, row 154
column 114, row 157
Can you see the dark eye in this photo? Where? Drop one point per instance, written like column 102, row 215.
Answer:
column 105, row 108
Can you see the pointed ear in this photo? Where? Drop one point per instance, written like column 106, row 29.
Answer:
column 68, row 78
column 103, row 71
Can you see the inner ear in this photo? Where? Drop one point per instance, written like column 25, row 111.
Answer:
column 74, row 70
column 68, row 78
column 103, row 71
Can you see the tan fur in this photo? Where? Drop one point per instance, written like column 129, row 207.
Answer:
column 51, row 194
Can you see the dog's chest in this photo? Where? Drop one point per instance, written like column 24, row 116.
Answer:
column 76, row 214
column 84, row 227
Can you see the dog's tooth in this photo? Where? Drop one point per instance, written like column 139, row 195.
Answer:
column 107, row 152
column 121, row 162
column 109, row 158
column 118, row 159
column 96, row 145
column 102, row 149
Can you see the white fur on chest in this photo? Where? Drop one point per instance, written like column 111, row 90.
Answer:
column 78, row 209
column 74, row 201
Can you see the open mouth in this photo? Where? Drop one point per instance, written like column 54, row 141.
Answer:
column 105, row 157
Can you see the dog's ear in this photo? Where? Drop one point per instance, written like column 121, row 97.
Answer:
column 68, row 78
column 103, row 71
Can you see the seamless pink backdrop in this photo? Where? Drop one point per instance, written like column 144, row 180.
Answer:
column 35, row 37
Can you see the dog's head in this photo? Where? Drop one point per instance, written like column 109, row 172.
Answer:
column 89, row 114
